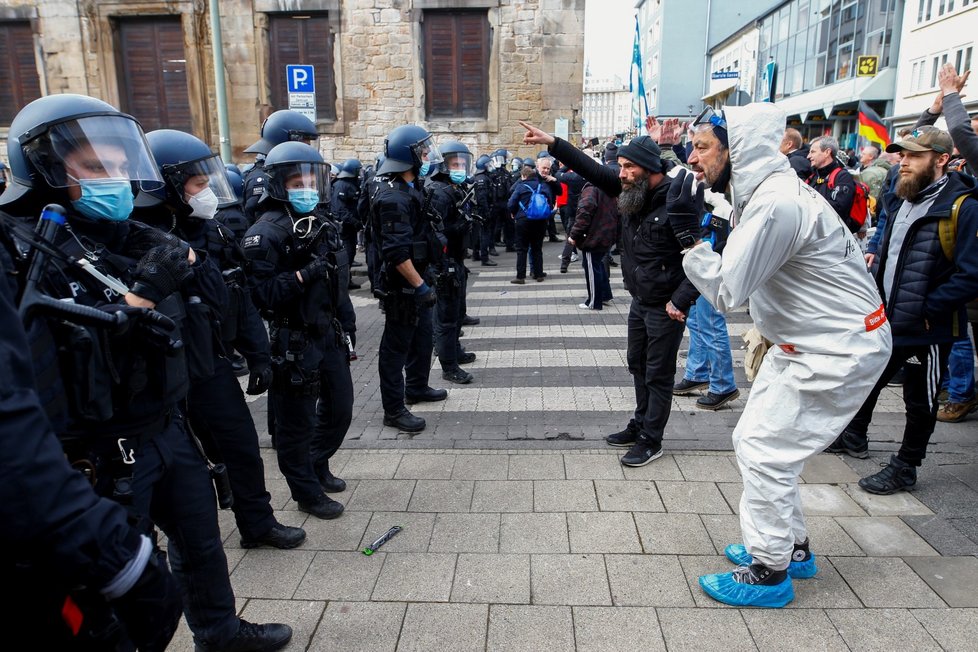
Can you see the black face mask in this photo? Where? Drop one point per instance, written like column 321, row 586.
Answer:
column 720, row 185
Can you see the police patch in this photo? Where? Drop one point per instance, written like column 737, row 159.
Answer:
column 251, row 241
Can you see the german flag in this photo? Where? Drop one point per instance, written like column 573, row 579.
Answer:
column 871, row 126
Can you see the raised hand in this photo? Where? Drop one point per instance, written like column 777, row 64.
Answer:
column 535, row 135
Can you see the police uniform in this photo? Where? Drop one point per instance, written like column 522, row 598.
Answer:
column 371, row 234
column 254, row 188
column 343, row 205
column 484, row 197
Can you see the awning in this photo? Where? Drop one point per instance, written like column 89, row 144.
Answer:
column 882, row 87
column 725, row 90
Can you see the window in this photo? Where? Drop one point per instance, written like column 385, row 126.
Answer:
column 456, row 64
column 18, row 69
column 307, row 40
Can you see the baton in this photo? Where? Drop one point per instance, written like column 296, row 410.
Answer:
column 387, row 536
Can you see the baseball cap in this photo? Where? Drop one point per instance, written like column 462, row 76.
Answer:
column 924, row 139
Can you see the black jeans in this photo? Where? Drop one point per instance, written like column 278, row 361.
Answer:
column 404, row 358
column 529, row 236
column 653, row 344
column 922, row 366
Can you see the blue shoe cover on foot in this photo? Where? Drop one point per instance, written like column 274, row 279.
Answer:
column 797, row 570
column 723, row 588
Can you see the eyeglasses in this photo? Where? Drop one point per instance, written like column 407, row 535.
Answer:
column 710, row 118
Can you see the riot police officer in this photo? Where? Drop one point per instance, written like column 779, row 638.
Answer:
column 3, row 177
column 345, row 191
column 231, row 213
column 408, row 243
column 370, row 186
column 501, row 184
column 281, row 127
column 113, row 395
column 300, row 275
column 484, row 213
column 196, row 184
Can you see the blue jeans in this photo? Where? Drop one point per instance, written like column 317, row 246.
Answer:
column 709, row 348
column 960, row 380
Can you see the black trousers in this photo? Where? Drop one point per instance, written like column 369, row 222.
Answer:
column 922, row 365
column 350, row 242
column 219, row 416
column 448, row 319
column 653, row 345
column 404, row 357
column 529, row 236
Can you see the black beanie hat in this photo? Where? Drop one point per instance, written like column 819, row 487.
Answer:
column 643, row 152
column 610, row 152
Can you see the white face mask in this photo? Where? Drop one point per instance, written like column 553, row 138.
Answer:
column 203, row 204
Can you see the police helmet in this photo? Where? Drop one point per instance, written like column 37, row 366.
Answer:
column 406, row 148
column 282, row 127
column 481, row 162
column 56, row 138
column 3, row 174
column 517, row 164
column 455, row 156
column 184, row 159
column 293, row 165
column 236, row 179
column 350, row 169
column 499, row 158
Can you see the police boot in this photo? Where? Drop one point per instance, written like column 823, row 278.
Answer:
column 457, row 375
column 404, row 421
column 253, row 638
column 427, row 395
column 322, row 507
column 280, row 536
column 330, row 483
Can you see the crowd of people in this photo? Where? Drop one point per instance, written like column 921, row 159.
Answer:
column 143, row 275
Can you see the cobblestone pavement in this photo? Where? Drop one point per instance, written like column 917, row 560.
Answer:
column 523, row 532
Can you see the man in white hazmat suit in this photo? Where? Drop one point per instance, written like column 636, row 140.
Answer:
column 811, row 295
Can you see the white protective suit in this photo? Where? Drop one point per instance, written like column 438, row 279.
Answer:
column 811, row 294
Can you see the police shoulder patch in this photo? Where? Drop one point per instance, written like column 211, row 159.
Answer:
column 251, row 241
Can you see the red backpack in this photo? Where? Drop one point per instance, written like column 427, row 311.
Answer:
column 860, row 201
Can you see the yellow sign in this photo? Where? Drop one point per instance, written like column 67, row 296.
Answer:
column 867, row 66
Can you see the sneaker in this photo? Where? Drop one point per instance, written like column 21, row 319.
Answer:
column 574, row 258
column 952, row 412
column 851, row 444
column 801, row 567
column 563, row 267
column 641, row 454
column 686, row 387
column 518, row 281
column 253, row 638
column 716, row 401
column 489, row 263
column 623, row 438
column 466, row 358
column 896, row 476
column 750, row 586
column 584, row 306
column 458, row 376
column 897, row 379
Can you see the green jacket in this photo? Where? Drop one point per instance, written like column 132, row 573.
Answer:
column 873, row 176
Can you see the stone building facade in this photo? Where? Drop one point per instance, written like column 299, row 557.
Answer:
column 522, row 59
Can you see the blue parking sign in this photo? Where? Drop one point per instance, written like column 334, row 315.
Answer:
column 300, row 79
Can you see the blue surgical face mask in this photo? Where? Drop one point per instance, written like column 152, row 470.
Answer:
column 457, row 176
column 104, row 199
column 304, row 200
column 425, row 167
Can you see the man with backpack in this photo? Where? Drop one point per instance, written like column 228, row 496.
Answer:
column 530, row 205
column 830, row 179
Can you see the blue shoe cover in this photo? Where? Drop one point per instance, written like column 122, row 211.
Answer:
column 723, row 588
column 797, row 570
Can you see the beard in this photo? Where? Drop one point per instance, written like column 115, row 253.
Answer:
column 632, row 199
column 909, row 186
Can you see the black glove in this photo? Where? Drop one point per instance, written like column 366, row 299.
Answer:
column 161, row 272
column 715, row 231
column 151, row 609
column 318, row 268
column 142, row 240
column 154, row 326
column 425, row 295
column 684, row 204
column 259, row 380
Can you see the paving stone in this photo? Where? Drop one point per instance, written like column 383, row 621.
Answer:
column 617, row 629
column 732, row 492
column 442, row 496
column 828, row 469
column 569, row 579
column 713, row 630
column 503, row 496
column 381, row 495
column 828, row 538
column 674, row 534
column 465, row 533
column 942, row 534
column 269, row 573
column 367, row 626
column 536, row 467
column 647, row 581
column 664, row 468
column 708, row 468
column 898, row 504
column 496, row 578
column 692, row 497
column 885, row 536
column 885, row 582
column 827, row 500
column 414, row 536
column 415, row 577
column 343, row 534
column 628, row 496
column 340, row 576
column 882, row 630
column 611, row 532
column 804, row 630
column 444, row 627
column 564, row 496
column 425, row 467
column 593, row 467
column 953, row 578
column 955, row 630
column 481, row 467
column 302, row 616
column 530, row 629
column 371, row 466
column 536, row 532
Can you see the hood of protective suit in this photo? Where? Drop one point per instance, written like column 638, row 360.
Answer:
column 754, row 133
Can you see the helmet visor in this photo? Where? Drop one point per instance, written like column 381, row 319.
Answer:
column 192, row 177
column 455, row 161
column 298, row 176
column 427, row 151
column 93, row 147
column 499, row 160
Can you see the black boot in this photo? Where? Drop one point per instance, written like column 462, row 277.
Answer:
column 253, row 638
column 895, row 476
column 404, row 421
